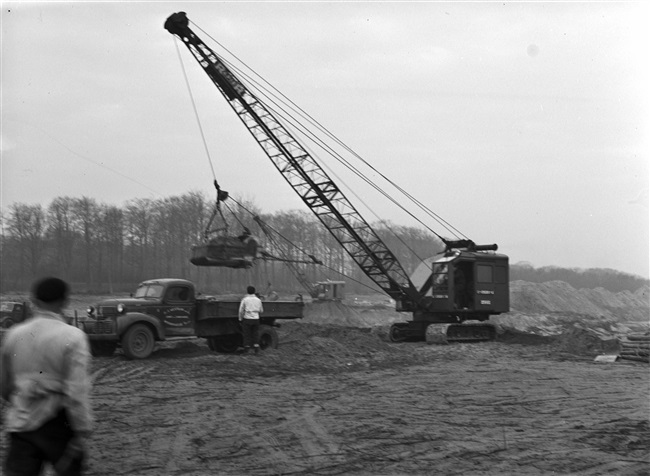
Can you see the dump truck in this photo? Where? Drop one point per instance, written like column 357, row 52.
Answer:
column 171, row 309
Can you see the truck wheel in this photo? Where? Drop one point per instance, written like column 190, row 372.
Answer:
column 138, row 342
column 226, row 344
column 211, row 345
column 7, row 323
column 268, row 338
column 103, row 348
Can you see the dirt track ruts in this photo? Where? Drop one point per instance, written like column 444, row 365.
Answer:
column 491, row 408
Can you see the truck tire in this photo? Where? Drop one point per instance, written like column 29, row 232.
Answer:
column 7, row 323
column 138, row 342
column 227, row 344
column 103, row 348
column 268, row 338
column 210, row 341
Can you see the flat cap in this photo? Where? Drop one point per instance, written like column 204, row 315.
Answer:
column 50, row 289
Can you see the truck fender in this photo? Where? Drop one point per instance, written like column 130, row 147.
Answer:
column 127, row 320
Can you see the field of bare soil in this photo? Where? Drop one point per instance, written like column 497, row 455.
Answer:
column 336, row 398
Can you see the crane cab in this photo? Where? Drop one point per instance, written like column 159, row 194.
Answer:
column 462, row 285
column 455, row 291
column 470, row 283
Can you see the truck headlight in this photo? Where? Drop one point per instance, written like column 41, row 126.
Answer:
column 121, row 308
column 90, row 310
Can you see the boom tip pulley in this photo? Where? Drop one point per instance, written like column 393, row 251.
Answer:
column 176, row 23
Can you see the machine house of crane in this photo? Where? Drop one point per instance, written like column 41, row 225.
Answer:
column 469, row 282
column 460, row 291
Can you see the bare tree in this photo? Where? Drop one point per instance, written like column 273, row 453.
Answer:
column 147, row 238
column 60, row 217
column 26, row 224
column 110, row 234
column 86, row 218
column 139, row 218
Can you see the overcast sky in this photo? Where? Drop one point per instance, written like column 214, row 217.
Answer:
column 522, row 124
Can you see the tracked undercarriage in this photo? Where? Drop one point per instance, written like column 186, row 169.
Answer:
column 442, row 333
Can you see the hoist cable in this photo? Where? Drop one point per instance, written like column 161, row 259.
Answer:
column 217, row 209
column 325, row 147
column 234, row 215
column 328, row 149
column 381, row 220
column 305, row 115
column 242, row 206
column 196, row 113
column 300, row 249
column 341, row 160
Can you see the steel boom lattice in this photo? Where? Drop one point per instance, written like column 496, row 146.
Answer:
column 303, row 173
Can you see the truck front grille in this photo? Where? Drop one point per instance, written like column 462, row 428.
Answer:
column 99, row 327
column 107, row 311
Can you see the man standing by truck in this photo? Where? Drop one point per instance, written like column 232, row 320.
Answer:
column 250, row 309
column 44, row 377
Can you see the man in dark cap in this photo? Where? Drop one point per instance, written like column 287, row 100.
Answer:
column 44, row 377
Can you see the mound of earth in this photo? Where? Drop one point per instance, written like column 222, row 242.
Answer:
column 560, row 297
column 580, row 320
column 306, row 346
column 585, row 342
column 350, row 314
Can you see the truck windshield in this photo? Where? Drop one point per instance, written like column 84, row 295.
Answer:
column 149, row 291
column 7, row 306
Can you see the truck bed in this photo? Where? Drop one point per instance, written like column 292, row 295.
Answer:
column 212, row 308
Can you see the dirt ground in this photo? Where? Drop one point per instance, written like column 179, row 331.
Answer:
column 337, row 398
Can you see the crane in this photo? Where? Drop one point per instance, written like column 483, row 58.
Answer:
column 454, row 295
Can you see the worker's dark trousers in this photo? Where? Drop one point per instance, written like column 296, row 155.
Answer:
column 30, row 450
column 251, row 332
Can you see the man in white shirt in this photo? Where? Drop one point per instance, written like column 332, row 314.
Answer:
column 45, row 378
column 250, row 309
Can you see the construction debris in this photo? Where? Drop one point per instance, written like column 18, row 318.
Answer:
column 635, row 347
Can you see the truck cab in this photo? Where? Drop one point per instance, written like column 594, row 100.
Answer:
column 172, row 301
column 159, row 308
column 12, row 312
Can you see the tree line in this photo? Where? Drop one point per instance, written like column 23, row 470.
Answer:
column 610, row 279
column 102, row 248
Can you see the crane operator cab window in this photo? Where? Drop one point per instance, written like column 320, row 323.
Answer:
column 440, row 277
